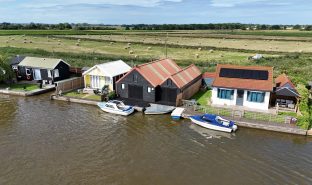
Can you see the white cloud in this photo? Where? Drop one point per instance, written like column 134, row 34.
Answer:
column 50, row 3
column 232, row 3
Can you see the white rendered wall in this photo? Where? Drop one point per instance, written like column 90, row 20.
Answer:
column 217, row 101
column 255, row 105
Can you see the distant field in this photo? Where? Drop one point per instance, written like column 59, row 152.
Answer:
column 235, row 44
column 122, row 49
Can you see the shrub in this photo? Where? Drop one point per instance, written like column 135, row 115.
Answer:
column 304, row 121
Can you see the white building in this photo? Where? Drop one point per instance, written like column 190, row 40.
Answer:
column 246, row 86
column 105, row 74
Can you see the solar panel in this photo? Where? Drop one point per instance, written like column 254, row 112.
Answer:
column 244, row 74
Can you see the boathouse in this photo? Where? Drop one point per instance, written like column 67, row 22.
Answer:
column 285, row 94
column 47, row 70
column 105, row 74
column 245, row 86
column 161, row 81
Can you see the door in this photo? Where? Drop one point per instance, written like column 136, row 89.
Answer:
column 95, row 82
column 135, row 91
column 168, row 94
column 37, row 74
column 240, row 98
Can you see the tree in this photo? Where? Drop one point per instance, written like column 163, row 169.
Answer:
column 275, row 27
column 297, row 27
column 308, row 28
column 6, row 72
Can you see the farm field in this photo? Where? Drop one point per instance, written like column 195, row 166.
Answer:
column 123, row 49
column 249, row 44
column 205, row 48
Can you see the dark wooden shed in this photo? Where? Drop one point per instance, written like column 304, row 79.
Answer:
column 161, row 81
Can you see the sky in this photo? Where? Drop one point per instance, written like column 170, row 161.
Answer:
column 157, row 11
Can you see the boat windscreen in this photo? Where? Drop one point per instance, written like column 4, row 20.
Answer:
column 207, row 119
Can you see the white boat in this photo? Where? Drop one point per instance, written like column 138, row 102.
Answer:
column 214, row 122
column 158, row 109
column 116, row 107
column 177, row 113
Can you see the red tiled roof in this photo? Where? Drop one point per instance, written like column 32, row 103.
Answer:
column 282, row 80
column 249, row 84
column 158, row 71
column 186, row 75
column 209, row 75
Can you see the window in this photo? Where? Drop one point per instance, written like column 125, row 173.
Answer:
column 49, row 73
column 149, row 89
column 56, row 73
column 257, row 97
column 169, row 82
column 135, row 78
column 122, row 86
column 95, row 81
column 107, row 80
column 36, row 74
column 27, row 71
column 226, row 94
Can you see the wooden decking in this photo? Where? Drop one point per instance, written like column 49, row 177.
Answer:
column 271, row 126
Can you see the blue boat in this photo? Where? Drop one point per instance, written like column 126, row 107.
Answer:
column 214, row 122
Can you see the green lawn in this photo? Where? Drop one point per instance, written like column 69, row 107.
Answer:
column 202, row 97
column 20, row 87
column 75, row 94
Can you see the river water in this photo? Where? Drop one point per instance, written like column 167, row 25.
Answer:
column 52, row 142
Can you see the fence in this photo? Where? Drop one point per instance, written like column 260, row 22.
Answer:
column 76, row 70
column 69, row 84
column 238, row 114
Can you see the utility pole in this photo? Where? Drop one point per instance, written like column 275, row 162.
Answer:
column 166, row 45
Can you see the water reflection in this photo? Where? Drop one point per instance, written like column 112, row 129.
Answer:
column 52, row 142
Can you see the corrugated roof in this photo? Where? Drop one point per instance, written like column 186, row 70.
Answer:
column 186, row 75
column 112, row 69
column 283, row 80
column 249, row 84
column 158, row 71
column 43, row 63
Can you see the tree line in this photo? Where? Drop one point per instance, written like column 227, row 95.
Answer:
column 86, row 26
column 220, row 26
column 60, row 26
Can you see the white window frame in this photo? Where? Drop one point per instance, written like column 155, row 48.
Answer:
column 49, row 73
column 27, row 71
column 122, row 86
column 56, row 73
column 149, row 89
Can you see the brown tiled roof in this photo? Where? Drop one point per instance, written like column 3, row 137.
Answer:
column 282, row 80
column 238, row 83
column 185, row 76
column 209, row 75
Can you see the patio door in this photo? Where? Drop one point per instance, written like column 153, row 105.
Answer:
column 95, row 82
column 36, row 74
column 240, row 98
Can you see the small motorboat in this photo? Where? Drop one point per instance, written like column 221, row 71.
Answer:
column 177, row 113
column 116, row 107
column 158, row 109
column 214, row 122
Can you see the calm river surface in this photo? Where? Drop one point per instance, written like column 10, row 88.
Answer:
column 50, row 142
